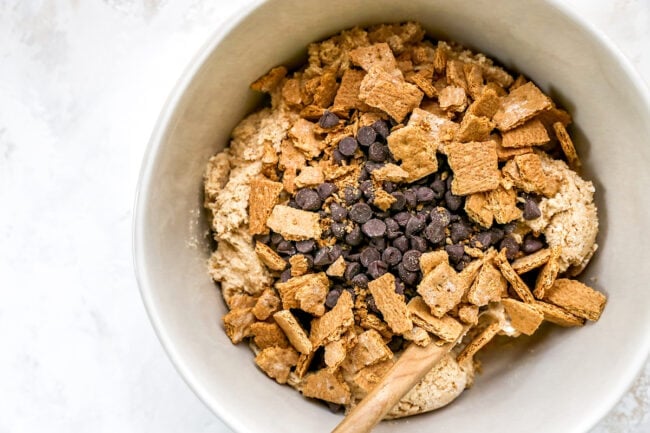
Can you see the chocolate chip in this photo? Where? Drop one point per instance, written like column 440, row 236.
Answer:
column 366, row 135
column 322, row 257
column 338, row 230
column 511, row 246
column 360, row 213
column 369, row 255
column 338, row 157
column 400, row 201
column 372, row 166
column 392, row 228
column 374, row 228
column 328, row 120
column 414, row 225
column 381, row 128
column 439, row 188
column 354, row 238
column 440, row 216
column 326, row 189
column 395, row 343
column 360, row 280
column 455, row 252
column 379, row 243
column 367, row 190
column 418, row 243
column 411, row 260
column 459, row 232
column 424, row 195
column 411, row 198
column 509, row 228
column 402, row 218
column 352, row 269
column 334, row 407
column 354, row 257
column 497, row 234
column 335, row 252
column 351, row 195
column 531, row 210
column 531, row 245
column 348, row 146
column 401, row 243
column 276, row 238
column 377, row 268
column 482, row 240
column 388, row 186
column 454, row 202
column 285, row 275
column 339, row 213
column 265, row 239
column 332, row 297
column 391, row 256
column 407, row 276
column 308, row 199
column 377, row 152
column 400, row 287
column 286, row 247
column 435, row 233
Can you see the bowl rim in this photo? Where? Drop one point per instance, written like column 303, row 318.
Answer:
column 150, row 157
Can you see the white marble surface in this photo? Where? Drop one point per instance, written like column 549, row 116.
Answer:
column 81, row 85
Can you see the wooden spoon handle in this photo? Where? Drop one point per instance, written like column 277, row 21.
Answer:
column 409, row 369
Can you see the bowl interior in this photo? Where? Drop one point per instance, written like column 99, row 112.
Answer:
column 561, row 380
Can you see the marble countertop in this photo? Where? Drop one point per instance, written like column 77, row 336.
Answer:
column 81, row 85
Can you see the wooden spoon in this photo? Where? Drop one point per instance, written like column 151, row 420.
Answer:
column 409, row 369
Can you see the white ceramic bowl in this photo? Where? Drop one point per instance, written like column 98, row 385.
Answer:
column 560, row 381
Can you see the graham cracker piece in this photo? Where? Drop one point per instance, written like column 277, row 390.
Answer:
column 263, row 197
column 391, row 304
column 489, row 286
column 468, row 314
column 294, row 224
column 479, row 210
column 531, row 261
column 294, row 332
column 267, row 304
column 336, row 269
column 497, row 75
column 577, row 298
column 513, row 278
column 519, row 81
column 478, row 342
column 498, row 89
column 332, row 324
column 486, row 105
column 474, row 165
column 370, row 349
column 304, row 361
column 452, row 98
column 305, row 291
column 266, row 334
column 267, row 82
column 291, row 92
column 503, row 153
column 392, row 95
column 391, row 173
column 367, row 378
column 525, row 318
column 526, row 173
column 325, row 385
column 370, row 321
column 237, row 323
column 431, row 259
column 549, row 272
column 240, row 300
column 470, row 272
column 326, row 91
column 440, row 59
column 520, row 105
column 304, row 138
column 531, row 133
column 558, row 316
column 423, row 54
column 383, row 200
column 423, row 78
column 299, row 265
column 552, row 115
column 347, row 96
column 310, row 176
column 474, row 78
column 567, row 146
column 474, row 128
column 441, row 289
column 418, row 336
column 455, row 74
column 376, row 55
column 336, row 351
column 412, row 145
column 276, row 362
column 445, row 327
column 503, row 203
column 290, row 161
column 269, row 257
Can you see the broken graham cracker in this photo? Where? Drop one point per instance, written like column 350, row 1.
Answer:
column 524, row 317
column 503, row 153
column 383, row 200
column 370, row 349
column 304, row 138
column 431, row 259
column 521, row 104
column 423, row 79
column 335, row 322
column 513, row 278
column 391, row 304
column 577, row 298
column 270, row 258
column 531, row 133
column 294, row 332
column 479, row 342
column 567, row 146
column 559, row 316
column 325, row 385
column 548, row 274
column 337, row 268
column 503, row 203
column 294, row 224
column 267, row 82
column 237, row 324
column 531, row 261
column 299, row 265
column 267, row 334
column 452, row 98
column 475, row 128
column 392, row 95
column 306, row 292
column 486, row 105
column 263, row 197
column 347, row 95
column 489, row 286
column 468, row 314
column 267, row 304
column 445, row 327
column 418, row 336
column 478, row 209
column 390, row 173
column 475, row 167
column 441, row 289
column 376, row 55
column 276, row 362
column 310, row 176
column 526, row 173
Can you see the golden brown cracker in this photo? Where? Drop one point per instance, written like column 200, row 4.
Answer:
column 327, row 386
column 269, row 257
column 431, row 259
column 567, row 146
column 263, row 197
column 267, row 82
column 267, row 304
column 520, row 105
column 391, row 304
column 513, row 278
column 394, row 96
column 445, row 327
column 474, row 128
column 548, row 274
column 524, row 317
column 294, row 224
column 276, row 362
column 474, row 165
column 531, row 261
column 489, row 286
column 267, row 334
column 332, row 324
column 531, row 133
column 293, row 330
column 559, row 316
column 441, row 289
column 452, row 98
column 577, row 298
column 478, row 342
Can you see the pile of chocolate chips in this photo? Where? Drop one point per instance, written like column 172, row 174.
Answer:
column 426, row 216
